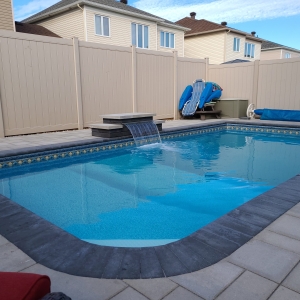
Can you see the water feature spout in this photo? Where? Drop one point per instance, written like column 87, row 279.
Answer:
column 144, row 132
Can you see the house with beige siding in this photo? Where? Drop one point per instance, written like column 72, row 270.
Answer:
column 111, row 22
column 6, row 15
column 271, row 50
column 218, row 42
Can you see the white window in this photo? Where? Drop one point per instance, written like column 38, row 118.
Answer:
column 167, row 39
column 249, row 50
column 287, row 55
column 101, row 25
column 236, row 44
column 140, row 35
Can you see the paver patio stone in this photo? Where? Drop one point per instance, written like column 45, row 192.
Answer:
column 279, row 240
column 13, row 259
column 293, row 280
column 287, row 225
column 154, row 289
column 283, row 293
column 295, row 211
column 264, row 259
column 249, row 286
column 182, row 294
column 211, row 281
column 3, row 240
column 79, row 288
column 129, row 294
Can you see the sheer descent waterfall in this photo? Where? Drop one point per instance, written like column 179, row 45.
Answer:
column 144, row 132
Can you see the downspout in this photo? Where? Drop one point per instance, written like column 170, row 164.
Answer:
column 84, row 22
column 225, row 44
column 156, row 37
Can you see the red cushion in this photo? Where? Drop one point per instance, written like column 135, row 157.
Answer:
column 23, row 286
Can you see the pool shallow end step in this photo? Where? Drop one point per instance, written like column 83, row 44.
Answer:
column 112, row 126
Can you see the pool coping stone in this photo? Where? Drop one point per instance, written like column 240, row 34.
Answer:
column 95, row 140
column 53, row 247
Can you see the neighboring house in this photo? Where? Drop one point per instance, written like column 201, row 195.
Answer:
column 111, row 22
column 34, row 29
column 218, row 42
column 6, row 15
column 270, row 50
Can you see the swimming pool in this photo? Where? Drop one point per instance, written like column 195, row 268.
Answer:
column 155, row 194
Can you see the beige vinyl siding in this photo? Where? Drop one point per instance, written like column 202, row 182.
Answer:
column 257, row 50
column 179, row 40
column 208, row 45
column 230, row 54
column 6, row 15
column 66, row 25
column 293, row 54
column 120, row 28
column 277, row 54
column 270, row 54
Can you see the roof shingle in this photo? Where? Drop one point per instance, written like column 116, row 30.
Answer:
column 198, row 26
column 268, row 45
column 202, row 26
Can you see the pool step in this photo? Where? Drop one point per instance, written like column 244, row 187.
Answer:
column 113, row 125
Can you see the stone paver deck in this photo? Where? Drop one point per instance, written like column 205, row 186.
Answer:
column 266, row 267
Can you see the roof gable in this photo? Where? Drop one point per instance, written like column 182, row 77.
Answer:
column 268, row 45
column 204, row 26
column 199, row 26
column 107, row 3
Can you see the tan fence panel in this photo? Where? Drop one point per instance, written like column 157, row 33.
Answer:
column 106, row 80
column 188, row 70
column 36, row 83
column 235, row 79
column 278, row 84
column 155, row 83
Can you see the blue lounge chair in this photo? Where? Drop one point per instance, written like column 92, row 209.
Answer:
column 191, row 105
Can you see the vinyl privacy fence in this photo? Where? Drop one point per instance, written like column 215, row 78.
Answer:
column 49, row 84
column 267, row 84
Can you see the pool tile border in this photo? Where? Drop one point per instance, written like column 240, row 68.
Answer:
column 52, row 155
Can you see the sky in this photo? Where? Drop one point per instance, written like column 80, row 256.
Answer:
column 274, row 20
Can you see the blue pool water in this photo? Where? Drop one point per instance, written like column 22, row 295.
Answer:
column 153, row 194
